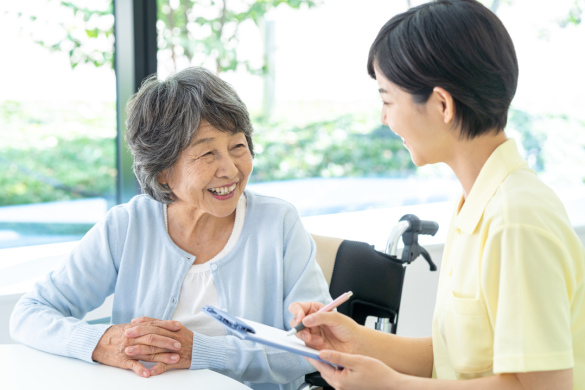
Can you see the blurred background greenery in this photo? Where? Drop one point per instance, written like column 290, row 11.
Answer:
column 63, row 150
column 58, row 153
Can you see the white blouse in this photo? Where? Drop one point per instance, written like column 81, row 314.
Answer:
column 199, row 289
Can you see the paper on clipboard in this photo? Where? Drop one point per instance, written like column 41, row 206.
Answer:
column 263, row 334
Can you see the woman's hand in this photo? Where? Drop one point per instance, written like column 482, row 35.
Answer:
column 325, row 330
column 114, row 344
column 150, row 337
column 359, row 372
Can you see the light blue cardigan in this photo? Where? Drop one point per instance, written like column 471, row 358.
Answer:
column 131, row 255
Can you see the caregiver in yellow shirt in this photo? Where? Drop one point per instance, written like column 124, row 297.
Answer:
column 509, row 311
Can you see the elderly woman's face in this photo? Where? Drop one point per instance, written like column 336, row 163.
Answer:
column 212, row 172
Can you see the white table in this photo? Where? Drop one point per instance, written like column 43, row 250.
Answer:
column 24, row 368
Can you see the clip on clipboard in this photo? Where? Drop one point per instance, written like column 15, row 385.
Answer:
column 263, row 334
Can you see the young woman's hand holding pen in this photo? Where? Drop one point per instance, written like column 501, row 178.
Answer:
column 325, row 330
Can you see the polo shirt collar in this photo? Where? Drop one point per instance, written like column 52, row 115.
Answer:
column 498, row 166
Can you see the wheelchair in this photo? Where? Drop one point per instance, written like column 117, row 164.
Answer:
column 375, row 278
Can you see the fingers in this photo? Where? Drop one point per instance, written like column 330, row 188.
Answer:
column 304, row 307
column 158, row 369
column 152, row 336
column 137, row 367
column 168, row 325
column 151, row 354
column 323, row 318
column 341, row 359
column 301, row 309
column 324, row 368
column 310, row 339
column 298, row 310
column 166, row 358
column 154, row 343
column 142, row 319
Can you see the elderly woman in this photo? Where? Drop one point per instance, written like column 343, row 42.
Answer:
column 196, row 237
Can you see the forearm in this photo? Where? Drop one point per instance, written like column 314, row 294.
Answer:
column 538, row 380
column 500, row 382
column 247, row 361
column 411, row 356
column 46, row 329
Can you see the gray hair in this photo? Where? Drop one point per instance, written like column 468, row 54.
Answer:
column 163, row 117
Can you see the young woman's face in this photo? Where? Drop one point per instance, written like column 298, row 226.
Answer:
column 420, row 126
column 212, row 173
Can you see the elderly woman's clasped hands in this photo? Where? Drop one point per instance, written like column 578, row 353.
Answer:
column 167, row 343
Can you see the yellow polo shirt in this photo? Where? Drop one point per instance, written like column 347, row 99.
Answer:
column 511, row 290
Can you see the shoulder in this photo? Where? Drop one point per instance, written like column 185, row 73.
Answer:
column 270, row 214
column 263, row 204
column 523, row 199
column 524, row 208
column 137, row 205
column 141, row 208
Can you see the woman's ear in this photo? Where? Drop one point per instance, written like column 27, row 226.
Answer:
column 446, row 104
column 162, row 177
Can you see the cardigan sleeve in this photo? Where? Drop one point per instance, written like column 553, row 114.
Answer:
column 49, row 317
column 251, row 362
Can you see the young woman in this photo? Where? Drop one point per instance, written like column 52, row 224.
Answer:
column 509, row 312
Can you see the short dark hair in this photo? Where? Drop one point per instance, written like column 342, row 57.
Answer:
column 164, row 115
column 458, row 45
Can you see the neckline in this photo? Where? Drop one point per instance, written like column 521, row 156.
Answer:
column 237, row 230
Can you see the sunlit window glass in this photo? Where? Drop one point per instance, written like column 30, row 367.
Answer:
column 57, row 120
column 300, row 67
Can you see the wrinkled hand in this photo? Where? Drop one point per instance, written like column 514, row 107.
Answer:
column 359, row 372
column 113, row 347
column 325, row 330
column 151, row 337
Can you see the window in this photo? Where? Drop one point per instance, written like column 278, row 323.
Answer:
column 319, row 140
column 58, row 116
column 300, row 68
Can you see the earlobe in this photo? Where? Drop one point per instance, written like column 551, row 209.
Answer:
column 447, row 104
column 162, row 178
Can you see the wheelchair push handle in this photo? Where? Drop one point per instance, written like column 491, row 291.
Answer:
column 409, row 227
column 428, row 228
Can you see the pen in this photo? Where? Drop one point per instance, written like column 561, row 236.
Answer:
column 340, row 299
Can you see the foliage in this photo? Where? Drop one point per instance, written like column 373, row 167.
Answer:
column 74, row 152
column 575, row 14
column 85, row 32
column 327, row 149
column 208, row 29
column 532, row 141
column 74, row 155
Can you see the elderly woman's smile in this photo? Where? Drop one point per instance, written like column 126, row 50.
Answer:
column 211, row 173
column 223, row 192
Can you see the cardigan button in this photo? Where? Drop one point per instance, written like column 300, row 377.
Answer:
column 213, row 267
column 174, row 300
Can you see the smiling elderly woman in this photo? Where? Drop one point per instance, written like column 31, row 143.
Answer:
column 197, row 237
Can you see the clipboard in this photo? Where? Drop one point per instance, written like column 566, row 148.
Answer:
column 263, row 334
